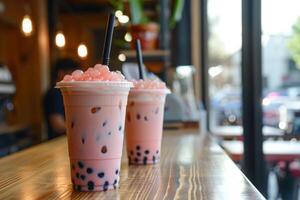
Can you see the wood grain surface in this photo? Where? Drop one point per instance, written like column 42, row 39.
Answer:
column 274, row 151
column 192, row 166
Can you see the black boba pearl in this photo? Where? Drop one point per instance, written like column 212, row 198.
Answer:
column 138, row 147
column 72, row 124
column 138, row 116
column 145, row 160
column 101, row 174
column 147, row 152
column 153, row 158
column 82, row 177
column 89, row 170
column 115, row 182
column 117, row 171
column 136, row 160
column 72, row 180
column 104, row 149
column 138, row 154
column 157, row 151
column 105, row 186
column 120, row 128
column 82, row 140
column 109, row 133
column 104, row 123
column 115, row 187
column 77, row 175
column 146, row 118
column 91, row 185
column 78, row 187
column 80, row 164
column 131, row 152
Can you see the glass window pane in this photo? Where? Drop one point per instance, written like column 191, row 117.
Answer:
column 224, row 62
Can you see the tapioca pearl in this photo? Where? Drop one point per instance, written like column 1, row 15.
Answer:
column 138, row 153
column 117, row 171
column 109, row 133
column 72, row 180
column 100, row 174
column 104, row 123
column 157, row 151
column 147, row 152
column 80, row 165
column 145, row 118
column 138, row 116
column 78, row 187
column 131, row 103
column 91, row 185
column 120, row 128
column 104, row 149
column 120, row 105
column 82, row 177
column 156, row 110
column 115, row 187
column 153, row 158
column 89, row 170
column 131, row 152
column 105, row 186
column 72, row 124
column 138, row 147
column 115, row 181
column 95, row 109
column 136, row 160
column 77, row 175
column 145, row 160
column 82, row 140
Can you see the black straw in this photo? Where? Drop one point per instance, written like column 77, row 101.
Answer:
column 108, row 39
column 139, row 58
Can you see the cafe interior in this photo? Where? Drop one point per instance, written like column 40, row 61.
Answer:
column 231, row 115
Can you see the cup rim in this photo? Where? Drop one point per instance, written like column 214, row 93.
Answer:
column 93, row 84
column 165, row 90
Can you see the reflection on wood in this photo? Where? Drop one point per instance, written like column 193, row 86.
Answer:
column 192, row 167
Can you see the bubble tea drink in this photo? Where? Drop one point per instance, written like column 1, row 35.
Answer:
column 144, row 121
column 95, row 105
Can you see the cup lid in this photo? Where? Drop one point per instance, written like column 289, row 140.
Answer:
column 93, row 84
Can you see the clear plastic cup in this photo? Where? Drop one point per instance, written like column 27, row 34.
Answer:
column 144, row 124
column 95, row 116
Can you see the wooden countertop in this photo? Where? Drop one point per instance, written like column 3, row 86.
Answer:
column 192, row 167
column 274, row 151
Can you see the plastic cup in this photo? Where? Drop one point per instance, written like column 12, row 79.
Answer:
column 144, row 124
column 95, row 116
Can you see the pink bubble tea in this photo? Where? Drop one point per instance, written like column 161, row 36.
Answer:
column 144, row 121
column 95, row 105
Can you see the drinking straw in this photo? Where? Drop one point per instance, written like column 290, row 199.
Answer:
column 139, row 58
column 108, row 39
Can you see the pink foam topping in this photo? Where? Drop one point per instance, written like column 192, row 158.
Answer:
column 97, row 73
column 149, row 84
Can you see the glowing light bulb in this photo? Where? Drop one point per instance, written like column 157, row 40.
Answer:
column 27, row 25
column 60, row 40
column 128, row 37
column 118, row 13
column 123, row 19
column 122, row 57
column 82, row 51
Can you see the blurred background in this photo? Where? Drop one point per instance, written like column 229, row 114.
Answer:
column 42, row 40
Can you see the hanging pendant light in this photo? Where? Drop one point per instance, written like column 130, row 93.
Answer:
column 60, row 40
